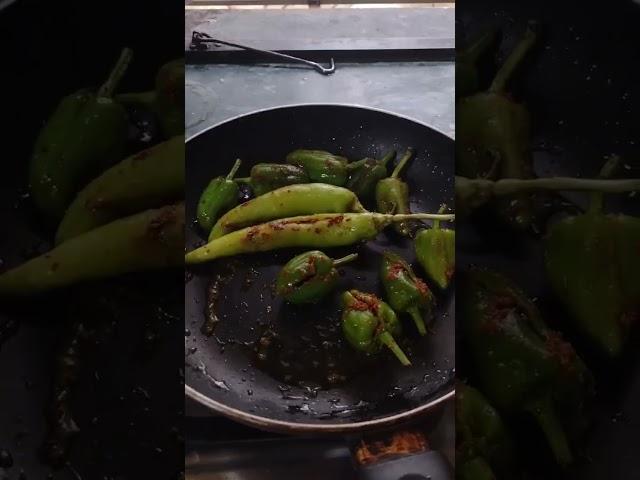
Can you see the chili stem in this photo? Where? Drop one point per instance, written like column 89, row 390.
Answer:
column 509, row 186
column 354, row 165
column 388, row 157
column 403, row 161
column 242, row 180
column 472, row 52
column 544, row 413
column 107, row 89
column 142, row 98
column 513, row 61
column 436, row 223
column 418, row 320
column 343, row 260
column 387, row 339
column 234, row 169
column 607, row 171
column 401, row 217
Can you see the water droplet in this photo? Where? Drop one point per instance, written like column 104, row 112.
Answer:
column 617, row 417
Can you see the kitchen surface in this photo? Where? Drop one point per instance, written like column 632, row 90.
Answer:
column 397, row 60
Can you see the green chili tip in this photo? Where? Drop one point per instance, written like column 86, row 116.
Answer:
column 403, row 161
column 341, row 261
column 107, row 89
column 389, row 341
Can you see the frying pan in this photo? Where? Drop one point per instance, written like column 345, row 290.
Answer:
column 290, row 392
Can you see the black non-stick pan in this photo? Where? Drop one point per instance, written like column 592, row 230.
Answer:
column 287, row 369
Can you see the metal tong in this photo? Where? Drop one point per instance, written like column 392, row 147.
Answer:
column 199, row 41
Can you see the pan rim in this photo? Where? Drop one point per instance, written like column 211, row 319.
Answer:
column 283, row 426
column 317, row 104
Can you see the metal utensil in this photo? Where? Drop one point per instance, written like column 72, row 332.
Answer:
column 199, row 41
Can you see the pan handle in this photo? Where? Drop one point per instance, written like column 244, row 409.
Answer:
column 405, row 455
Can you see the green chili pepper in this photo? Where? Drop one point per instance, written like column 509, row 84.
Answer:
column 220, row 195
column 363, row 180
column 483, row 443
column 392, row 195
column 592, row 263
column 166, row 100
column 467, row 58
column 518, row 363
column 266, row 177
column 309, row 276
column 405, row 292
column 146, row 241
column 289, row 201
column 321, row 230
column 368, row 323
column 86, row 134
column 493, row 138
column 436, row 252
column 148, row 179
column 323, row 167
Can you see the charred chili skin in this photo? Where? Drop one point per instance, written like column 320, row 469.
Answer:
column 266, row 177
column 436, row 252
column 315, row 231
column 309, row 277
column 368, row 324
column 405, row 292
column 363, row 180
column 323, row 167
column 592, row 261
column 392, row 195
column 289, row 201
column 483, row 443
column 149, row 179
column 219, row 197
column 149, row 240
column 85, row 134
column 493, row 138
column 520, row 364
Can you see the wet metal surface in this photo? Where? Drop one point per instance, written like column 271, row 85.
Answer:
column 420, row 90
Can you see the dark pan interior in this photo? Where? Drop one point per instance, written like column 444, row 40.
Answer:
column 223, row 367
